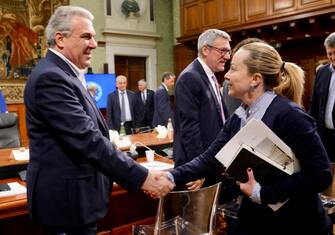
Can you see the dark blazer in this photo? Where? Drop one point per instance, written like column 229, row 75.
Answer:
column 163, row 107
column 72, row 162
column 318, row 108
column 197, row 116
column 303, row 213
column 145, row 111
column 114, row 109
column 320, row 96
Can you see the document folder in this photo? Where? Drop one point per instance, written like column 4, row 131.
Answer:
column 263, row 167
column 258, row 147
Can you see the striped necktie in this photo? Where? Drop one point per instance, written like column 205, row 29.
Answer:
column 218, row 97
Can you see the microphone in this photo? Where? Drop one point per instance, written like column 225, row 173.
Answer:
column 138, row 143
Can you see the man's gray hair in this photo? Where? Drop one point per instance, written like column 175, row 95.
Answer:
column 208, row 37
column 330, row 40
column 61, row 21
column 121, row 78
column 142, row 81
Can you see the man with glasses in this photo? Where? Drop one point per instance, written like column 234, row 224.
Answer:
column 322, row 106
column 200, row 111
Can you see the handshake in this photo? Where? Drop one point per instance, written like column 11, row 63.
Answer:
column 157, row 184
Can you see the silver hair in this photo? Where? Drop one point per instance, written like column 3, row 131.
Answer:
column 61, row 21
column 208, row 37
column 330, row 40
column 142, row 81
column 121, row 77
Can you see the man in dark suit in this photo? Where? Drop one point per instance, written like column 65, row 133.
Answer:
column 145, row 100
column 163, row 107
column 323, row 99
column 200, row 111
column 72, row 162
column 121, row 107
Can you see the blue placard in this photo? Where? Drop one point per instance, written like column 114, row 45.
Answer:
column 104, row 84
column 3, row 106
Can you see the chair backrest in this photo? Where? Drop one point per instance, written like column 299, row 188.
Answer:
column 197, row 207
column 9, row 131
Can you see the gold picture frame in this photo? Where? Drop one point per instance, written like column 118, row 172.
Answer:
column 22, row 41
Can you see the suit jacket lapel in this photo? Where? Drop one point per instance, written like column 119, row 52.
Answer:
column 209, row 85
column 326, row 82
column 93, row 103
column 66, row 68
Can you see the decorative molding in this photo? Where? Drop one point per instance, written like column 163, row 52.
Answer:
column 13, row 91
column 130, row 33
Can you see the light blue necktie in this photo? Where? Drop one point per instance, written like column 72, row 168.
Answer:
column 123, row 108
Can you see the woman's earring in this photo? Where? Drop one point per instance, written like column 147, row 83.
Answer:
column 252, row 88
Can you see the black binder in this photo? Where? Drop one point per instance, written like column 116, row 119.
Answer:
column 264, row 169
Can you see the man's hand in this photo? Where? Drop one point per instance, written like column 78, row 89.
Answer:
column 157, row 184
column 193, row 185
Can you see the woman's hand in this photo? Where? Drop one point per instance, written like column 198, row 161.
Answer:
column 248, row 187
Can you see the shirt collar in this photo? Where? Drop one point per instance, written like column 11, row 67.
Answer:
column 166, row 88
column 121, row 91
column 207, row 70
column 257, row 109
column 331, row 68
column 80, row 73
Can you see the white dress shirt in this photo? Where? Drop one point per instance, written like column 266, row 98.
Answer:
column 330, row 101
column 126, row 102
column 80, row 73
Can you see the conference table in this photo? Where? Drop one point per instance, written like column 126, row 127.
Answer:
column 125, row 209
column 150, row 139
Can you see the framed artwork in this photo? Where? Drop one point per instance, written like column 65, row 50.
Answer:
column 22, row 41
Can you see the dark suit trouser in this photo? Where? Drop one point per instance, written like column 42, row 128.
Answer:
column 87, row 229
column 128, row 126
column 329, row 143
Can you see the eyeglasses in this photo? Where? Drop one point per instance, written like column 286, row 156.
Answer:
column 222, row 51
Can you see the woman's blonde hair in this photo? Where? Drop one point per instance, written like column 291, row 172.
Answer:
column 284, row 78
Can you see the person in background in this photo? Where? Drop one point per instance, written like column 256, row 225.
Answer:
column 256, row 69
column 121, row 107
column 323, row 99
column 3, row 106
column 162, row 105
column 145, row 100
column 72, row 162
column 320, row 64
column 200, row 111
column 92, row 89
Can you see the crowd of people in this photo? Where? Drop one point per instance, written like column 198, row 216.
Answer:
column 142, row 109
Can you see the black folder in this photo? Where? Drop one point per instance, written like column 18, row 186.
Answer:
column 263, row 168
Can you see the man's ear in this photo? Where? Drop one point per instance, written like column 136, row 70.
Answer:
column 204, row 51
column 59, row 38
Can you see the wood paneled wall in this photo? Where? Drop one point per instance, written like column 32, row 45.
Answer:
column 235, row 15
column 297, row 28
